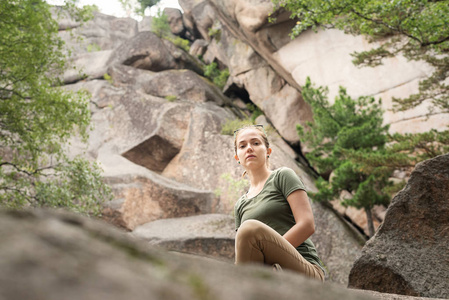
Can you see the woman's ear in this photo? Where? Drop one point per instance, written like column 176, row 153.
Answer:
column 236, row 157
column 269, row 150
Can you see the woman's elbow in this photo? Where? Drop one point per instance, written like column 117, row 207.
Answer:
column 311, row 227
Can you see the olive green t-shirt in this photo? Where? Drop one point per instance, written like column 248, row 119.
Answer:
column 271, row 207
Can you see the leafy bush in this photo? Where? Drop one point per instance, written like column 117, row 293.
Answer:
column 255, row 111
column 160, row 24
column 230, row 126
column 218, row 77
column 161, row 28
column 180, row 42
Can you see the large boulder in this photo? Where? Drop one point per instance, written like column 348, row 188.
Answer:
column 89, row 65
column 184, row 84
column 337, row 242
column 210, row 235
column 49, row 255
column 101, row 33
column 147, row 51
column 142, row 196
column 174, row 17
column 408, row 254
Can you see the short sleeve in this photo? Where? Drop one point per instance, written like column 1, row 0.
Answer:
column 237, row 217
column 288, row 182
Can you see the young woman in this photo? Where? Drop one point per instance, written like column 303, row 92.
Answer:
column 274, row 219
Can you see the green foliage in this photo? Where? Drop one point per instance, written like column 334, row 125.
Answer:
column 420, row 146
column 215, row 32
column 161, row 28
column 77, row 186
column 144, row 4
column 108, row 78
column 255, row 111
column 180, row 42
column 37, row 117
column 93, row 47
column 218, row 77
column 230, row 126
column 348, row 139
column 417, row 29
column 171, row 98
column 347, row 124
column 345, row 127
column 160, row 25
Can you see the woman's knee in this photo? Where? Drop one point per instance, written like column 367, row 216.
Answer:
column 249, row 229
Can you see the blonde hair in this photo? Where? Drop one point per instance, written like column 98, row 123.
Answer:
column 262, row 133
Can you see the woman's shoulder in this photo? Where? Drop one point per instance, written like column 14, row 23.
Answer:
column 238, row 203
column 283, row 170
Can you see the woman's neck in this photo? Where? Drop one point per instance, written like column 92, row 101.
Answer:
column 258, row 177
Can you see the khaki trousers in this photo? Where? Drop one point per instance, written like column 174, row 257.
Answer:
column 256, row 242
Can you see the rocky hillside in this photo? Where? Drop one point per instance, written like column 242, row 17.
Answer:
column 158, row 121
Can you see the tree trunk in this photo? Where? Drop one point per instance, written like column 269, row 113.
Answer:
column 369, row 220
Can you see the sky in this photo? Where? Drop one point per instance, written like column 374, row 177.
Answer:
column 114, row 8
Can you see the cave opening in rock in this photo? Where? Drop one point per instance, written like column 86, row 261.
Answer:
column 235, row 92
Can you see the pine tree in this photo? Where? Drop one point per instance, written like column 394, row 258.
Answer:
column 352, row 150
column 348, row 126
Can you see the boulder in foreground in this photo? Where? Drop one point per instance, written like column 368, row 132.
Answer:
column 53, row 256
column 409, row 253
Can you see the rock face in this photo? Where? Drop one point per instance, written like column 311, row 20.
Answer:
column 337, row 243
column 147, row 51
column 48, row 255
column 326, row 58
column 409, row 253
column 206, row 235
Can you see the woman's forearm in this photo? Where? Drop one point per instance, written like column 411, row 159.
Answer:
column 300, row 232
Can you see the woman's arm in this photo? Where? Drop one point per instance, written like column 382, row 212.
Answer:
column 302, row 211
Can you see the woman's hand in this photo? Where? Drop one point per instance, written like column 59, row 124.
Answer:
column 305, row 223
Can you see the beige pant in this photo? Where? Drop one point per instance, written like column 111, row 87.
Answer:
column 256, row 242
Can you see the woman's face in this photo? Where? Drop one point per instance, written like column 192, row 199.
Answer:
column 251, row 150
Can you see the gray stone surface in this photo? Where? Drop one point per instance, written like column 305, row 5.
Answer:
column 409, row 252
column 101, row 33
column 44, row 255
column 174, row 17
column 140, row 199
column 89, row 65
column 147, row 51
column 337, row 243
column 185, row 85
column 210, row 235
column 56, row 255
